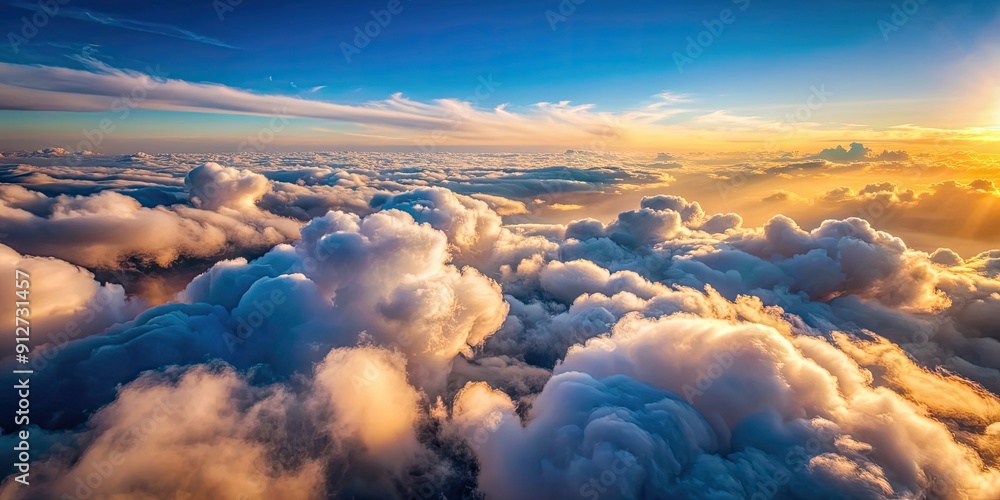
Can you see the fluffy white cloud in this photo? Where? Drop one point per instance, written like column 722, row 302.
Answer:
column 208, row 430
column 105, row 229
column 60, row 302
column 686, row 405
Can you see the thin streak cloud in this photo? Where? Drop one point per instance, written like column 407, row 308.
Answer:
column 439, row 122
column 128, row 24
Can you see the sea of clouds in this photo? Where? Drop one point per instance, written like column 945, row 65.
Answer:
column 390, row 325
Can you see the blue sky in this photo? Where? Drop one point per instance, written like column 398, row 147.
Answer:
column 615, row 56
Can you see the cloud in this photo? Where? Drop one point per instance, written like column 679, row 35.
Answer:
column 51, row 88
column 857, row 152
column 429, row 126
column 887, row 155
column 208, row 429
column 125, row 23
column 382, row 279
column 502, row 206
column 780, row 196
column 212, row 186
column 659, row 218
column 67, row 302
column 105, row 229
column 950, row 209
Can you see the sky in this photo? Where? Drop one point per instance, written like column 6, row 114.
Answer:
column 721, row 75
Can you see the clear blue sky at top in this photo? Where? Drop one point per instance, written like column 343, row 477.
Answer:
column 614, row 54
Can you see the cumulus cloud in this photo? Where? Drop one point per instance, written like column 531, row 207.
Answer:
column 502, row 206
column 959, row 211
column 64, row 302
column 209, row 430
column 383, row 279
column 858, row 152
column 659, row 218
column 781, row 196
column 472, row 227
column 887, row 155
column 104, row 229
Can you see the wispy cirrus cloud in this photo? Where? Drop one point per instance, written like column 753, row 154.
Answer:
column 92, row 16
column 665, row 119
column 49, row 88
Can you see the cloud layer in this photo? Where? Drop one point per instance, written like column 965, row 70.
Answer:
column 396, row 332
